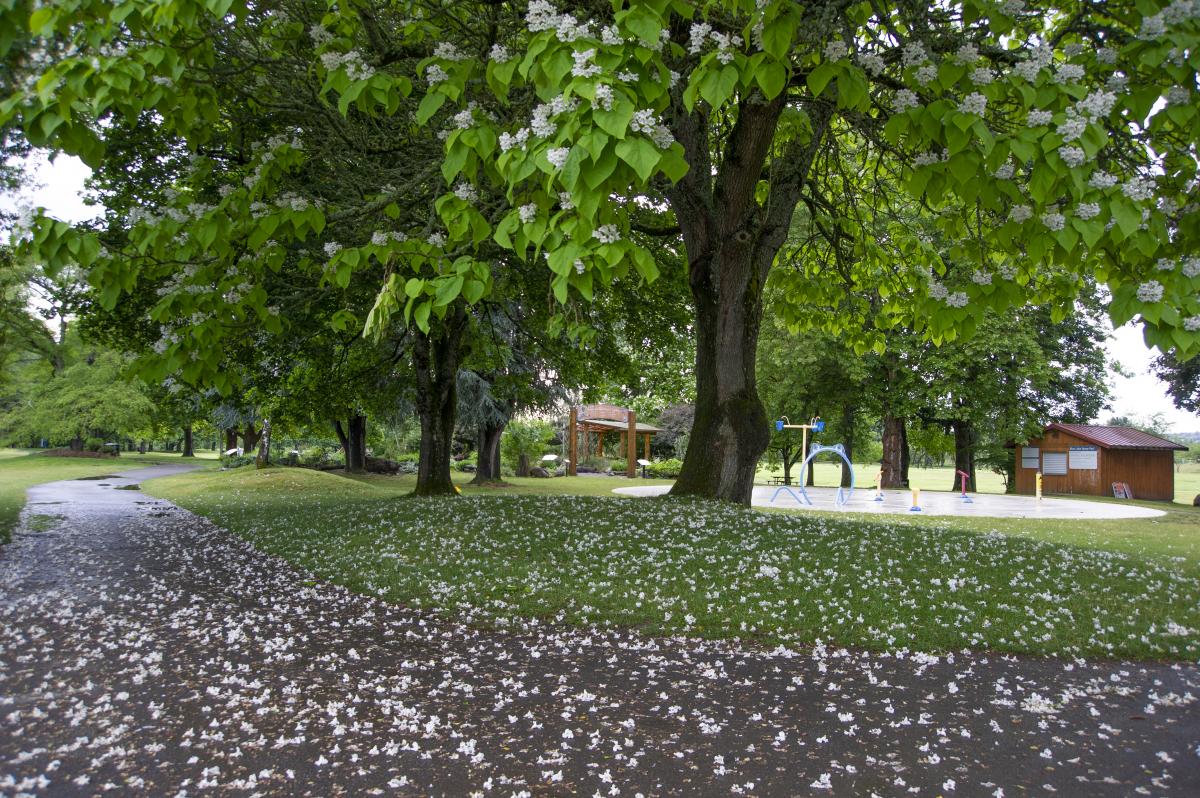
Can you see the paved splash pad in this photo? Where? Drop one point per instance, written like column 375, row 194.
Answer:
column 982, row 505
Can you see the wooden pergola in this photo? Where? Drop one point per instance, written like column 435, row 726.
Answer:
column 601, row 420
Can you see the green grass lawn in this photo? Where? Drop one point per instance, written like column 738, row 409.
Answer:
column 23, row 468
column 676, row 567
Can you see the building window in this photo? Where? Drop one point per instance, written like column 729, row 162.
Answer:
column 1054, row 464
column 1030, row 457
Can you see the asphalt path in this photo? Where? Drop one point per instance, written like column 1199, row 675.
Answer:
column 143, row 651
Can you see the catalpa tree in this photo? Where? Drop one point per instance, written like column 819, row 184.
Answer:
column 1047, row 143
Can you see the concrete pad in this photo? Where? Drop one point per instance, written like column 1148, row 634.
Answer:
column 982, row 505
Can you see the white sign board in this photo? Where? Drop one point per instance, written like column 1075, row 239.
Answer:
column 1085, row 458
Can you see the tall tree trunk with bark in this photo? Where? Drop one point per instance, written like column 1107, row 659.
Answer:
column 264, row 446
column 893, row 452
column 965, row 440
column 731, row 241
column 187, row 442
column 231, row 436
column 436, row 356
column 353, row 438
column 905, row 455
column 250, row 437
column 487, row 464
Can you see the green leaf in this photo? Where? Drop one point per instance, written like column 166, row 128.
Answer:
column 717, row 86
column 771, row 78
column 615, row 122
column 421, row 316
column 472, row 291
column 429, row 106
column 639, row 153
column 819, row 78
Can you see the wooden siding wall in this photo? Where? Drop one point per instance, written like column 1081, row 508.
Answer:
column 1151, row 474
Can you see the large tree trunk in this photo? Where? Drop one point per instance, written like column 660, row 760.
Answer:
column 231, row 436
column 905, row 455
column 187, row 442
column 965, row 439
column 250, row 437
column 849, row 416
column 893, row 452
column 788, row 455
column 731, row 241
column 436, row 356
column 487, row 463
column 264, row 446
column 354, row 443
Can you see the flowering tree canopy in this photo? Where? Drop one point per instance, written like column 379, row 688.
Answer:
column 963, row 156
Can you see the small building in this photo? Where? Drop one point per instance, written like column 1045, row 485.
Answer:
column 1088, row 459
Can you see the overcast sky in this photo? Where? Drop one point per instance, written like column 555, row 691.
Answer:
column 59, row 189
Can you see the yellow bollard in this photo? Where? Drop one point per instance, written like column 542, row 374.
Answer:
column 1039, row 485
column 916, row 499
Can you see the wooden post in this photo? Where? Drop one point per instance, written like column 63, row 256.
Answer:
column 631, row 447
column 573, row 445
column 646, row 446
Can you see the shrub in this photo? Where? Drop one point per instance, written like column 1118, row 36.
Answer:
column 236, row 461
column 617, row 464
column 94, row 445
column 312, row 456
column 665, row 469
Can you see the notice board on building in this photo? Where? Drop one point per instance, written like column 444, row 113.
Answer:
column 1085, row 458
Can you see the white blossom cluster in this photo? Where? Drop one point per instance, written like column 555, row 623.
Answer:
column 528, row 213
column 981, row 277
column 604, row 96
column 968, row 53
column 447, row 51
column 557, row 156
column 926, row 74
column 958, row 299
column 905, row 99
column 499, row 53
column 1179, row 11
column 1179, row 95
column 434, row 75
column 1054, row 220
column 1191, row 323
column 1150, row 291
column 1037, row 118
column 584, row 66
column 466, row 192
column 982, row 76
column 702, row 33
column 607, row 234
column 1191, row 267
column 938, row 290
column 1012, row 8
column 914, row 54
column 872, row 63
column 1038, row 59
column 1087, row 210
column 1020, row 213
column 1068, row 73
column 1072, row 156
column 1102, row 180
column 974, row 103
column 543, row 15
column 647, row 122
column 1138, row 189
column 1006, row 171
column 382, row 238
column 929, row 158
column 836, row 50
column 350, row 61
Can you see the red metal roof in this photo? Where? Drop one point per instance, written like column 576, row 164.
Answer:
column 1117, row 437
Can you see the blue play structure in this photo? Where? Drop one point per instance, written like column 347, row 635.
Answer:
column 814, row 450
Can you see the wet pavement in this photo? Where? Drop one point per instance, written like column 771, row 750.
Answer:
column 144, row 651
